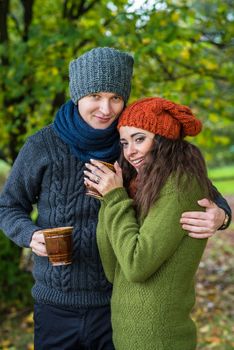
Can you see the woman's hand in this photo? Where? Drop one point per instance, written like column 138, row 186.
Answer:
column 102, row 178
column 203, row 224
column 38, row 243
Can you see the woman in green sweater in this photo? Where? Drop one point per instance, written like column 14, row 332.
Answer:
column 148, row 257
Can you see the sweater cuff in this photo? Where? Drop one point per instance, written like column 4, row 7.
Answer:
column 27, row 235
column 226, row 222
column 116, row 195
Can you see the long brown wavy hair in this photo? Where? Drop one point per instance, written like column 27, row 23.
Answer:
column 167, row 157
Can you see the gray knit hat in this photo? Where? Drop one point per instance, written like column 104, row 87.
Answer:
column 102, row 69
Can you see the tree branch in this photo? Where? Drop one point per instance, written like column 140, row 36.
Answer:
column 4, row 9
column 73, row 10
column 209, row 37
column 196, row 70
column 169, row 75
column 28, row 15
column 87, row 8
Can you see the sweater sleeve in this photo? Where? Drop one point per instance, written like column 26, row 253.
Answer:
column 106, row 252
column 142, row 249
column 20, row 192
column 221, row 202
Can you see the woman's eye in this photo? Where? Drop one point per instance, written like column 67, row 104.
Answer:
column 123, row 144
column 140, row 139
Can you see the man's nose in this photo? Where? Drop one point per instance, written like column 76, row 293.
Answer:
column 105, row 107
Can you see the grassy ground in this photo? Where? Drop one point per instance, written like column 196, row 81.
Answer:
column 213, row 314
column 223, row 179
column 224, row 172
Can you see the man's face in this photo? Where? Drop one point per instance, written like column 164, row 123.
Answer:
column 100, row 109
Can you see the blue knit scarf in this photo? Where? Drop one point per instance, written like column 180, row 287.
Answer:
column 86, row 142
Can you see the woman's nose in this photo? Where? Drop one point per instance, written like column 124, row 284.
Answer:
column 131, row 149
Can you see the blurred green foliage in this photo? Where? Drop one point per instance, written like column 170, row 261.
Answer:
column 223, row 179
column 15, row 268
column 183, row 51
column 15, row 284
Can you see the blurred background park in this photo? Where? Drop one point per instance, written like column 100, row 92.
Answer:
column 183, row 51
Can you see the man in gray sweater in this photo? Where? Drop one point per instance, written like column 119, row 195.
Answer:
column 72, row 301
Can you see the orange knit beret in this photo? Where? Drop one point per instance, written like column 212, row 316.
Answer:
column 161, row 117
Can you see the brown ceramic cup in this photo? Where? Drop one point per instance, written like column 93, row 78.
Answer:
column 58, row 243
column 91, row 191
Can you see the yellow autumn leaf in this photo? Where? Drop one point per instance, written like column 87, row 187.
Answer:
column 209, row 64
column 10, row 109
column 54, row 71
column 5, row 343
column 146, row 41
column 163, row 22
column 194, row 95
column 204, row 329
column 213, row 117
column 202, row 139
column 222, row 140
column 29, row 318
column 175, row 17
column 185, row 54
column 30, row 346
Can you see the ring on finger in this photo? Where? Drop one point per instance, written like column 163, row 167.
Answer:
column 97, row 179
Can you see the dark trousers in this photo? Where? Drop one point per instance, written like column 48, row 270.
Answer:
column 58, row 328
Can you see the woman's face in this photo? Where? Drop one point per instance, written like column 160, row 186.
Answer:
column 100, row 109
column 136, row 144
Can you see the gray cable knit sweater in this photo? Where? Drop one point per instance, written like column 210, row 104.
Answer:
column 45, row 172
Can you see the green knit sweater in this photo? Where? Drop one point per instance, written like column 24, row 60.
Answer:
column 152, row 266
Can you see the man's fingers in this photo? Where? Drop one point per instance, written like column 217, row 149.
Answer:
column 206, row 203
column 39, row 252
column 38, row 237
column 196, row 229
column 194, row 215
column 38, row 248
column 193, row 222
column 200, row 235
